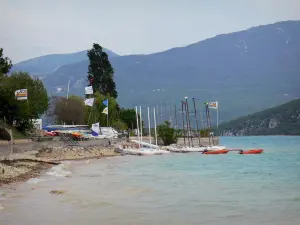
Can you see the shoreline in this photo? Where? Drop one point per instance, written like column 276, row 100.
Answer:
column 17, row 168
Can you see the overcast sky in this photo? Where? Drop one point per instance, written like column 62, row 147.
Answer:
column 31, row 28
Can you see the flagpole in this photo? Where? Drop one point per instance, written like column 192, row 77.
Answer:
column 149, row 125
column 183, row 129
column 68, row 89
column 107, row 114
column 137, row 125
column 176, row 117
column 155, row 126
column 141, row 124
column 217, row 115
column 198, row 132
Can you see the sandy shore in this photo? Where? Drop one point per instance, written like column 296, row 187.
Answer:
column 23, row 166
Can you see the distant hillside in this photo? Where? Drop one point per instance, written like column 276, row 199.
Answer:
column 246, row 71
column 280, row 120
column 50, row 63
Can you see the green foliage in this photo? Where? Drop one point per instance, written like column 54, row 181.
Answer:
column 119, row 124
column 70, row 111
column 5, row 63
column 16, row 133
column 129, row 117
column 100, row 72
column 4, row 135
column 204, row 133
column 20, row 113
column 167, row 134
column 94, row 114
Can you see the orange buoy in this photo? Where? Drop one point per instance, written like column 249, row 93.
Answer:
column 215, row 152
column 251, row 151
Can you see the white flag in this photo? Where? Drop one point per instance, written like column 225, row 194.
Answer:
column 213, row 105
column 105, row 111
column 21, row 94
column 89, row 90
column 89, row 101
column 95, row 129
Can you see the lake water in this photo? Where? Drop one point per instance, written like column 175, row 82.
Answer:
column 177, row 189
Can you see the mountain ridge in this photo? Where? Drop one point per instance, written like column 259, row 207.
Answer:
column 280, row 120
column 48, row 64
column 246, row 71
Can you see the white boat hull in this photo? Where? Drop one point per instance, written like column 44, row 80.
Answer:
column 145, row 144
column 141, row 151
column 194, row 149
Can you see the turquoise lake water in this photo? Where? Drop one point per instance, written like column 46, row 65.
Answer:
column 178, row 189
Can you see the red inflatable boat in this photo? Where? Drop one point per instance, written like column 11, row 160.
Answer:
column 252, row 151
column 215, row 152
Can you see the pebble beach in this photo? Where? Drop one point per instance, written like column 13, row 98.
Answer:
column 19, row 167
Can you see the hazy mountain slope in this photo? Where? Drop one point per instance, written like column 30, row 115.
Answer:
column 246, row 71
column 280, row 120
column 49, row 63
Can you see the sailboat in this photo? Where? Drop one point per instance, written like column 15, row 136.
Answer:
column 185, row 148
column 139, row 147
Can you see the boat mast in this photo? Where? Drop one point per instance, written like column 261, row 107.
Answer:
column 188, row 121
column 176, row 125
column 155, row 126
column 141, row 124
column 149, row 125
column 183, row 129
column 137, row 126
column 198, row 133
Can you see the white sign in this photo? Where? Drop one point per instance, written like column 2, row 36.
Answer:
column 95, row 129
column 21, row 94
column 89, row 101
column 89, row 90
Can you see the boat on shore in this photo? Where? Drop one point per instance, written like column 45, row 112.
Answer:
column 185, row 149
column 134, row 149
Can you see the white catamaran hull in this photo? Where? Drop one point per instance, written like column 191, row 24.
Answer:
column 145, row 144
column 140, row 151
column 194, row 149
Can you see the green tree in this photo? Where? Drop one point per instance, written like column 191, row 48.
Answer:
column 94, row 114
column 5, row 63
column 167, row 134
column 129, row 117
column 204, row 133
column 100, row 72
column 71, row 111
column 20, row 113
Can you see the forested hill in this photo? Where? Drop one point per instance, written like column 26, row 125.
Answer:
column 281, row 120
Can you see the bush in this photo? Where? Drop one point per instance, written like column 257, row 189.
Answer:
column 167, row 134
column 204, row 133
column 4, row 135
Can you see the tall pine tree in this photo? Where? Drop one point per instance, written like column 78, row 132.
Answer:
column 100, row 72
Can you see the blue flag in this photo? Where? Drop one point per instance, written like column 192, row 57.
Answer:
column 105, row 102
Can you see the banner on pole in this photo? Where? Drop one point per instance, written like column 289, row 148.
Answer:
column 89, row 90
column 21, row 94
column 105, row 111
column 89, row 101
column 105, row 102
column 95, row 129
column 213, row 105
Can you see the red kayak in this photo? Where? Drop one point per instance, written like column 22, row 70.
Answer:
column 251, row 151
column 215, row 152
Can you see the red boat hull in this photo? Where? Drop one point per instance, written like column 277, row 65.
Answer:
column 215, row 152
column 252, row 151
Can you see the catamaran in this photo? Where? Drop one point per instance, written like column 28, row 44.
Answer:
column 139, row 147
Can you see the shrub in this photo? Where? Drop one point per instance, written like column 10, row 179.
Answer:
column 167, row 134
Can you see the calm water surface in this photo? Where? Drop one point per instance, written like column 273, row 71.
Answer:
column 176, row 189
